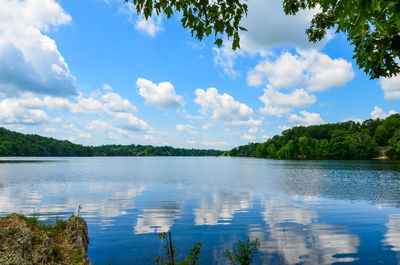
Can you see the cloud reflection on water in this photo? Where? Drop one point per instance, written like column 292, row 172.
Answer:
column 293, row 233
column 157, row 220
column 99, row 200
column 392, row 236
column 222, row 208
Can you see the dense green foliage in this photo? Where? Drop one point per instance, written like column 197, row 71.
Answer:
column 372, row 26
column 345, row 140
column 18, row 144
column 201, row 17
column 244, row 252
column 149, row 150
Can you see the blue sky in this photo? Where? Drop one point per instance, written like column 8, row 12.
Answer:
column 93, row 72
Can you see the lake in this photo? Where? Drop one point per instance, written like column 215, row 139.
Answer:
column 302, row 212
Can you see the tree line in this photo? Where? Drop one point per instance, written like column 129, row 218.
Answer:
column 18, row 144
column 341, row 141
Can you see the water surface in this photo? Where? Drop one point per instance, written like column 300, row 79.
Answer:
column 303, row 212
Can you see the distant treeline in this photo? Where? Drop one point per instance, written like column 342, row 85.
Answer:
column 344, row 140
column 18, row 144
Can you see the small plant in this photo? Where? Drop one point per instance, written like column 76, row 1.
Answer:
column 32, row 221
column 244, row 252
column 77, row 257
column 169, row 258
column 79, row 210
column 56, row 253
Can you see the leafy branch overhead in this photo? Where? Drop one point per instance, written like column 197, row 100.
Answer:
column 371, row 26
column 202, row 17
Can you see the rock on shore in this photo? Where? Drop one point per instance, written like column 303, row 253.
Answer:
column 25, row 241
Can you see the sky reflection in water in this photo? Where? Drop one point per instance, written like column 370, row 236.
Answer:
column 302, row 212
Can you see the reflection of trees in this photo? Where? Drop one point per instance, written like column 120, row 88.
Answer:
column 157, row 220
column 222, row 207
column 392, row 236
column 293, row 235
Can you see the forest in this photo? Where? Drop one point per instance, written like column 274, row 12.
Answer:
column 18, row 144
column 339, row 141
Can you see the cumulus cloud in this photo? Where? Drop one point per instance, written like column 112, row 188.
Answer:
column 30, row 60
column 82, row 104
column 161, row 96
column 186, row 128
column 278, row 103
column 216, row 143
column 107, row 87
column 191, row 142
column 378, row 113
column 391, row 87
column 225, row 57
column 149, row 27
column 253, row 130
column 116, row 103
column 224, row 107
column 268, row 26
column 109, row 102
column 50, row 129
column 130, row 122
column 23, row 110
column 29, row 109
column 281, row 30
column 311, row 69
column 112, row 132
column 78, row 132
column 305, row 119
column 248, row 137
column 249, row 122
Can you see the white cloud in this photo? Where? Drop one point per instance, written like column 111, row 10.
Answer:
column 161, row 96
column 191, row 142
column 225, row 57
column 28, row 109
column 130, row 122
column 49, row 129
column 310, row 69
column 112, row 132
column 277, row 103
column 216, row 143
column 83, row 104
column 224, row 107
column 115, row 103
column 249, row 122
column 78, row 132
column 378, row 113
column 305, row 119
column 265, row 137
column 30, row 60
column 186, row 128
column 248, row 137
column 281, row 30
column 268, row 26
column 253, row 130
column 109, row 102
column 149, row 27
column 391, row 87
column 106, row 87
column 23, row 110
column 207, row 126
